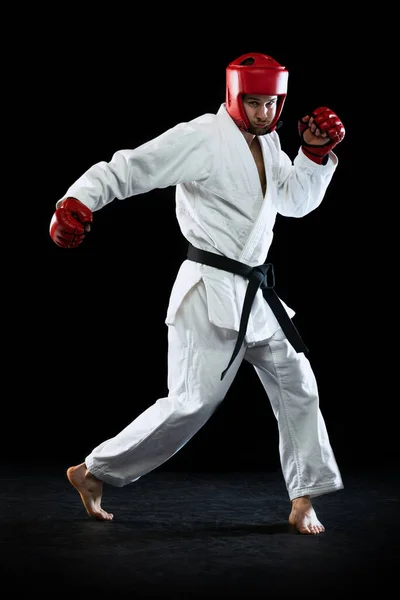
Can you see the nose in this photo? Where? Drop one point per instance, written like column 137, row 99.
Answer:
column 262, row 112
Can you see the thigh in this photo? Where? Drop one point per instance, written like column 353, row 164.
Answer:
column 198, row 350
column 278, row 364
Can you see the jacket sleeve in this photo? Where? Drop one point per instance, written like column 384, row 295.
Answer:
column 182, row 153
column 302, row 184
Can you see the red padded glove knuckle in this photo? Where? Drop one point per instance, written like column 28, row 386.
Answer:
column 78, row 209
column 327, row 122
column 67, row 226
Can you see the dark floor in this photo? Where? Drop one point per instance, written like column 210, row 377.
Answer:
column 197, row 535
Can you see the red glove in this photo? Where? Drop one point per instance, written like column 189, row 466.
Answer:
column 70, row 223
column 324, row 120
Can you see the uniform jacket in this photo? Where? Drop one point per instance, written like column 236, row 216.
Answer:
column 220, row 206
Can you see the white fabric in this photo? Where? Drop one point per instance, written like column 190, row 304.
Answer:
column 198, row 353
column 220, row 207
column 219, row 204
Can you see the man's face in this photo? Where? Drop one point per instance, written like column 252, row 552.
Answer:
column 260, row 111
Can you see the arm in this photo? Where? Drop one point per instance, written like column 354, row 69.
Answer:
column 173, row 157
column 180, row 154
column 303, row 184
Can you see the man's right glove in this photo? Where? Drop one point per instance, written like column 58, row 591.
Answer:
column 70, row 223
column 331, row 132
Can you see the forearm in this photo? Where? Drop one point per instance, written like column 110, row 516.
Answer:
column 102, row 183
column 305, row 185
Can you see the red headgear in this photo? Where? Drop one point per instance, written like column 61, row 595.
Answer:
column 254, row 73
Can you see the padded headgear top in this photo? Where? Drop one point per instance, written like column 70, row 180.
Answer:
column 254, row 73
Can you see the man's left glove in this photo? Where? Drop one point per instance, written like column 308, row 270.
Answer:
column 331, row 132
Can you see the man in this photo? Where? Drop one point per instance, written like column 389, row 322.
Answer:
column 232, row 179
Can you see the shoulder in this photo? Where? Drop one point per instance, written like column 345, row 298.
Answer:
column 200, row 131
column 273, row 141
column 205, row 125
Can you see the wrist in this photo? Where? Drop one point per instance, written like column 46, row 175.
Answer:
column 320, row 159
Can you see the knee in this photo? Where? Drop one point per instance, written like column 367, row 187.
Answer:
column 198, row 403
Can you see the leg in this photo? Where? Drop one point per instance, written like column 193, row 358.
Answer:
column 308, row 463
column 197, row 354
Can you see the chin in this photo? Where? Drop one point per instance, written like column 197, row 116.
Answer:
column 258, row 130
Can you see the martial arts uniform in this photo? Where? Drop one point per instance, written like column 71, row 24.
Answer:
column 220, row 208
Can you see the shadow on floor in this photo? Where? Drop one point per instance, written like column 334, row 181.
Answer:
column 197, row 535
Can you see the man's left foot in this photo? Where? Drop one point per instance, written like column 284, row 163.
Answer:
column 304, row 518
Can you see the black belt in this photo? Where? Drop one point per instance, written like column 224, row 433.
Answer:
column 260, row 276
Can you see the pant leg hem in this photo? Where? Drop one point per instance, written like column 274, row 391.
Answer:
column 103, row 476
column 313, row 492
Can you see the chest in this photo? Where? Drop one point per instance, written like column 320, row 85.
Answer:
column 257, row 154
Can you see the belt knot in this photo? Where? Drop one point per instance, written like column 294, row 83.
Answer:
column 267, row 274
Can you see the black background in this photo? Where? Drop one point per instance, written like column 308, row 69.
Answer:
column 87, row 347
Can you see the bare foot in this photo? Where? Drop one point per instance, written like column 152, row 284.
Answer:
column 90, row 490
column 304, row 518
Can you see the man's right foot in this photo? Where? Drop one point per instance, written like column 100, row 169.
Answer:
column 90, row 490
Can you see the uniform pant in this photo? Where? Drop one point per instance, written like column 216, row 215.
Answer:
column 198, row 352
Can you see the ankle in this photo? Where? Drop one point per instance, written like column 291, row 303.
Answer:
column 301, row 500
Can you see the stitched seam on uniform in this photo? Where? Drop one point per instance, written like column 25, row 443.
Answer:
column 190, row 354
column 321, row 487
column 315, row 490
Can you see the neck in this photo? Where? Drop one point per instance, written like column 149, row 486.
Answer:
column 249, row 137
